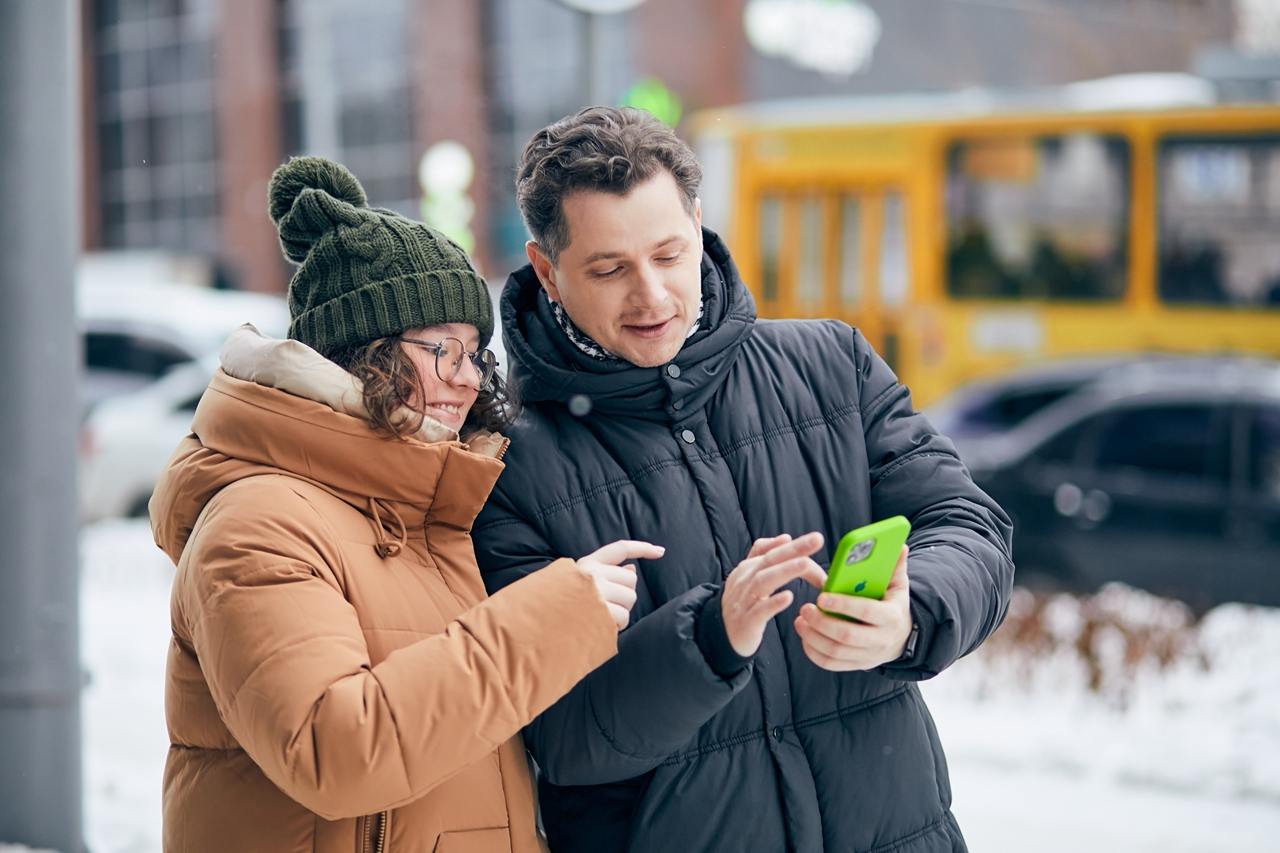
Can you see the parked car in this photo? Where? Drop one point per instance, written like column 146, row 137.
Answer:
column 977, row 415
column 1164, row 475
column 135, row 332
column 126, row 440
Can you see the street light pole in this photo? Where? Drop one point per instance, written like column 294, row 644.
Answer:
column 40, row 771
column 594, row 53
column 595, row 61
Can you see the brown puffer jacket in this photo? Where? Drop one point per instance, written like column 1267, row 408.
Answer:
column 337, row 679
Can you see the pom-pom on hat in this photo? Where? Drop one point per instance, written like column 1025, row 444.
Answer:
column 364, row 272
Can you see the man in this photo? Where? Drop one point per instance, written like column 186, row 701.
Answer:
column 736, row 715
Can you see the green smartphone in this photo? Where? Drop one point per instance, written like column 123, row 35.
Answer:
column 864, row 559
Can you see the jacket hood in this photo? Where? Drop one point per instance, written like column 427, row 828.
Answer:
column 547, row 367
column 279, row 407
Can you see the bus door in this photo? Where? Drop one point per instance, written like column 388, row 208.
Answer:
column 837, row 251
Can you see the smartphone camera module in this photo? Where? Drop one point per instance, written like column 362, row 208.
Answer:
column 860, row 552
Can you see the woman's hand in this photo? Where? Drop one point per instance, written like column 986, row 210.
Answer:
column 615, row 578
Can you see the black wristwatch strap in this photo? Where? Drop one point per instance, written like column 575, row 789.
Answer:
column 909, row 651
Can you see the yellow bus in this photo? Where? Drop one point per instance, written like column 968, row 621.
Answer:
column 967, row 233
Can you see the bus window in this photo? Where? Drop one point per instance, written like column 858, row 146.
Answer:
column 850, row 253
column 809, row 275
column 894, row 273
column 1038, row 217
column 1219, row 217
column 770, row 247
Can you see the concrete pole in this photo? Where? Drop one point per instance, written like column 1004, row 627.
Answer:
column 596, row 60
column 40, row 680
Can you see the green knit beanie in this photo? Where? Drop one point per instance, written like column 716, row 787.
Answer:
column 365, row 273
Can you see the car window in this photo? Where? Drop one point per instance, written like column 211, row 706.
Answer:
column 1177, row 440
column 1013, row 407
column 126, row 353
column 1264, row 451
column 189, row 405
column 1064, row 447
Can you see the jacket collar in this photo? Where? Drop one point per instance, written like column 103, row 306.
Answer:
column 245, row 426
column 547, row 367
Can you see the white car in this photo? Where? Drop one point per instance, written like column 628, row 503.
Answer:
column 126, row 440
column 128, row 435
column 135, row 331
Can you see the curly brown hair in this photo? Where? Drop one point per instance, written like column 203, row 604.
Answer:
column 391, row 381
column 601, row 148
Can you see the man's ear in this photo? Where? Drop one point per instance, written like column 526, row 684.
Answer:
column 697, row 211
column 544, row 269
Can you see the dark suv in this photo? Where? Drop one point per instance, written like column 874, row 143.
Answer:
column 1164, row 475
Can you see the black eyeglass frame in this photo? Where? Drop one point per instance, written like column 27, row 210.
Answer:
column 483, row 360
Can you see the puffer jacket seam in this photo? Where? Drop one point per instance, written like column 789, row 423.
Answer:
column 493, row 525
column 197, row 747
column 613, row 743
column 850, row 710
column 479, row 644
column 395, row 725
column 235, row 695
column 740, row 739
column 898, row 843
column 796, row 428
column 907, row 459
column 727, row 743
column 880, row 400
column 630, row 479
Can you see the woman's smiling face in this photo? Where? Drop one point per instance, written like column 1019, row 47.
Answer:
column 445, row 401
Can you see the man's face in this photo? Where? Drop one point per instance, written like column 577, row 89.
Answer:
column 631, row 274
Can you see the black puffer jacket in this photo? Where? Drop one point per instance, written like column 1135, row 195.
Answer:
column 762, row 427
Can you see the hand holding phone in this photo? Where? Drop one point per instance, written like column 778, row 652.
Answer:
column 865, row 557
column 865, row 615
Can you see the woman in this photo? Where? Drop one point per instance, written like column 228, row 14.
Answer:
column 337, row 680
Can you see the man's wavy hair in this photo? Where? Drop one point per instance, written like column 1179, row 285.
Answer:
column 602, row 149
column 391, row 382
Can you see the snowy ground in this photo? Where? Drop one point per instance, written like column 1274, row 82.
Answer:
column 1183, row 759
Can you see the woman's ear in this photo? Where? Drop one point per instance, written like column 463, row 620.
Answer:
column 544, row 269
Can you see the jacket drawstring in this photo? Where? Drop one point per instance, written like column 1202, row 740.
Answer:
column 386, row 546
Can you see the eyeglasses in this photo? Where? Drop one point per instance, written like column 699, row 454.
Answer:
column 450, row 354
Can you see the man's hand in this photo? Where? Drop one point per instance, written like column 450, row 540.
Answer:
column 878, row 637
column 615, row 579
column 748, row 601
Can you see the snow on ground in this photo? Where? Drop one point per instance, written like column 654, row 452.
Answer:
column 124, row 606
column 1180, row 758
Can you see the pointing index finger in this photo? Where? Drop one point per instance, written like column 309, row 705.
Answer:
column 628, row 549
column 805, row 546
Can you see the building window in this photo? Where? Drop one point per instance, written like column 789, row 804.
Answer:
column 343, row 100
column 154, row 105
